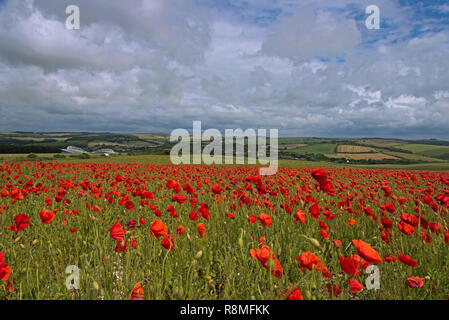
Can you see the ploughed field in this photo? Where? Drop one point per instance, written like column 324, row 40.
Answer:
column 146, row 231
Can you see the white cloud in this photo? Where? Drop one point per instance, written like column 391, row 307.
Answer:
column 308, row 33
column 157, row 65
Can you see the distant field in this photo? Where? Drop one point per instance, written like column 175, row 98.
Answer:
column 29, row 138
column 380, row 142
column 440, row 152
column 417, row 148
column 51, row 157
column 362, row 156
column 60, row 134
column 150, row 136
column 289, row 146
column 165, row 159
column 413, row 156
column 312, row 149
column 354, row 149
column 322, row 148
column 105, row 143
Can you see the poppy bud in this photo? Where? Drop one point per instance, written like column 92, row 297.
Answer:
column 240, row 242
column 198, row 254
column 35, row 241
column 315, row 242
column 96, row 286
column 308, row 295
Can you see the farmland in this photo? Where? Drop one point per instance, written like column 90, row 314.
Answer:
column 363, row 156
column 372, row 151
column 354, row 149
column 316, row 148
column 159, row 231
column 434, row 151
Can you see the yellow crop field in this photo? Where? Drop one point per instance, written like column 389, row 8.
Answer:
column 362, row 156
column 353, row 149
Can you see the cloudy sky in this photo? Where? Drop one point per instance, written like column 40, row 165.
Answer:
column 306, row 67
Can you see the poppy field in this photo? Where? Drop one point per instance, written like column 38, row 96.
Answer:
column 155, row 231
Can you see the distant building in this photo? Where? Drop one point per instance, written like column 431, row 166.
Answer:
column 73, row 149
column 105, row 151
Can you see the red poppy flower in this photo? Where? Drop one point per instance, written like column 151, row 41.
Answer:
column 350, row 266
column 201, row 229
column 355, row 285
column 158, row 228
column 180, row 230
column 137, row 293
column 119, row 247
column 293, row 293
column 308, row 260
column 4, row 193
column 117, row 231
column 300, row 216
column 406, row 228
column 252, row 218
column 168, row 242
column 5, row 270
column 193, row 215
column 366, row 251
column 46, row 216
column 337, row 243
column 390, row 258
column 265, row 219
column 230, row 215
column 414, row 282
column 21, row 222
column 407, row 260
column 263, row 255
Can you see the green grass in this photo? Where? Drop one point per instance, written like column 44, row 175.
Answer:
column 413, row 156
column 439, row 152
column 322, row 148
column 40, row 254
column 437, row 165
column 420, row 148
